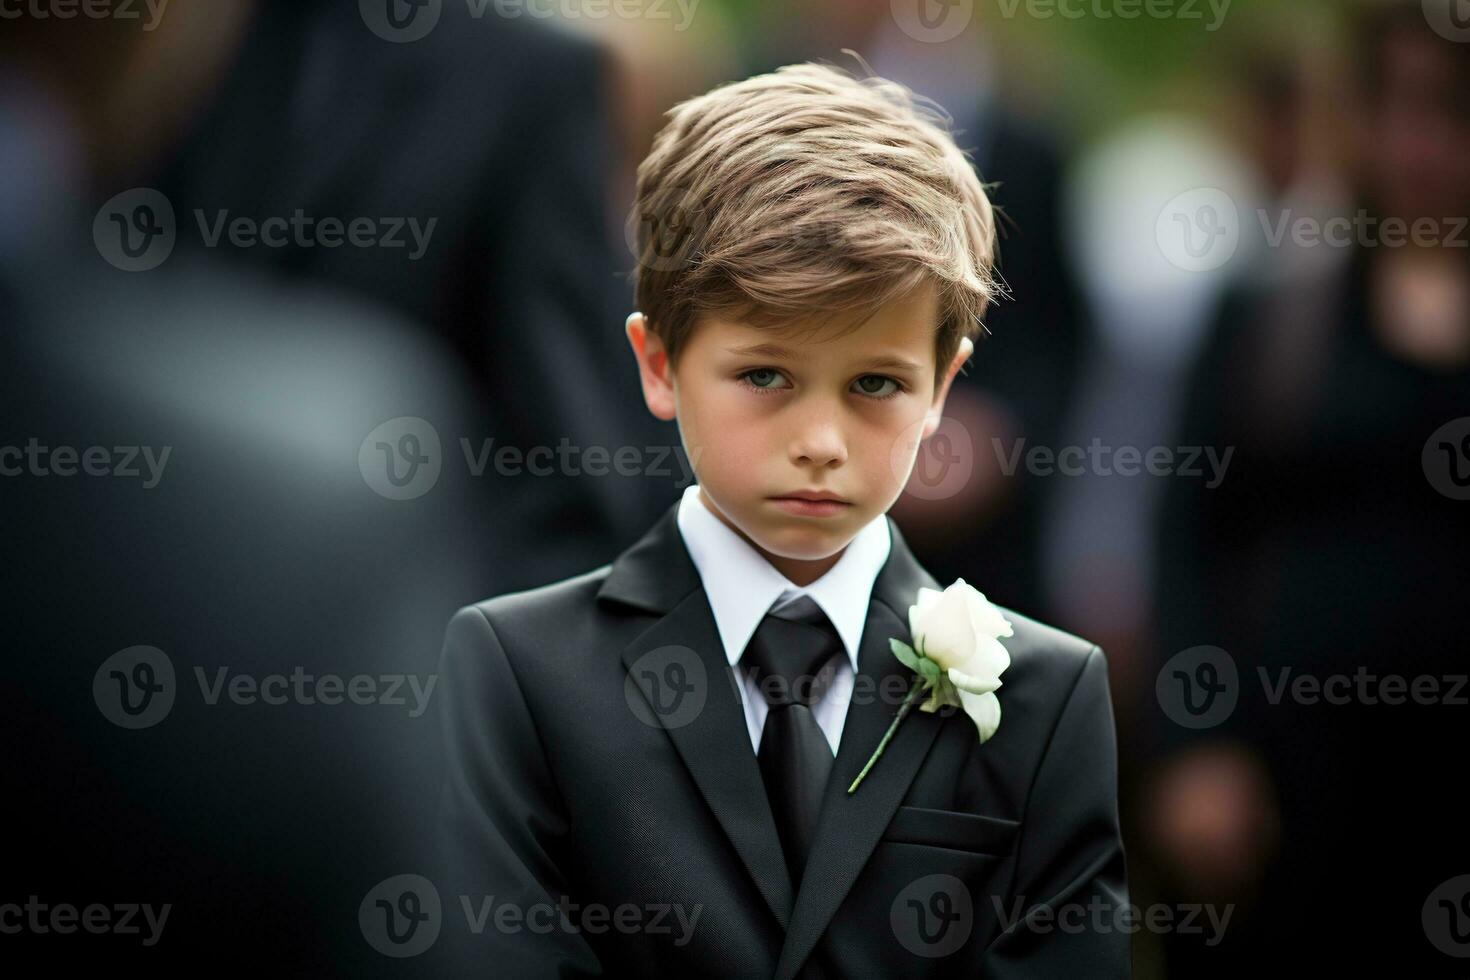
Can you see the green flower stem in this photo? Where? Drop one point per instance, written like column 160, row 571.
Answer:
column 903, row 709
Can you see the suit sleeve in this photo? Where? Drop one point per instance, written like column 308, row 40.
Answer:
column 501, row 821
column 1070, row 876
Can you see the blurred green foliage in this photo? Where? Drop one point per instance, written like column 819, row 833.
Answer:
column 1093, row 72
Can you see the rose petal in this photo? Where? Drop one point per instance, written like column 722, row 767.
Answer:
column 917, row 612
column 981, row 684
column 984, row 711
column 990, row 659
column 984, row 616
column 949, row 637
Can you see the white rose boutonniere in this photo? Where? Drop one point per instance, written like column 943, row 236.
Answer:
column 957, row 659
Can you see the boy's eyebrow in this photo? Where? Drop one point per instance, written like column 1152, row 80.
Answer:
column 781, row 353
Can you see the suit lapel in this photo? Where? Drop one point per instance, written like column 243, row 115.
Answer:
column 850, row 826
column 657, row 574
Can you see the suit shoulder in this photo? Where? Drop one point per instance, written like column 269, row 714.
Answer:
column 543, row 606
column 1041, row 648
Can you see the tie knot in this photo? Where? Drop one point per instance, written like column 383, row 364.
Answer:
column 788, row 657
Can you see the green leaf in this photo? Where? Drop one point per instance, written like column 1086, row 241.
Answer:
column 905, row 654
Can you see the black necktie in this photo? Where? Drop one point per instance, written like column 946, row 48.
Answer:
column 785, row 657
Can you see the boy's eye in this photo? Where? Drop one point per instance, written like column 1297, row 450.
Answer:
column 762, row 379
column 872, row 386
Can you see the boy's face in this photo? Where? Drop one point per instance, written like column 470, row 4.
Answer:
column 811, row 412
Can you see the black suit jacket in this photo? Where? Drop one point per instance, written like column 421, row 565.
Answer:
column 564, row 779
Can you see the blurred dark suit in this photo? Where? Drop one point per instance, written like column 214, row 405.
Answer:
column 260, row 550
column 495, row 129
column 1326, row 549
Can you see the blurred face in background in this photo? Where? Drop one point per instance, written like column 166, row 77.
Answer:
column 1416, row 134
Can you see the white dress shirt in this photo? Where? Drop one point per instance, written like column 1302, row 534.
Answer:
column 743, row 586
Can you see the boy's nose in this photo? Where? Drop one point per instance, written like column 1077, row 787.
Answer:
column 819, row 443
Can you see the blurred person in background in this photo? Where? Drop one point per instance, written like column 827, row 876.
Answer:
column 488, row 141
column 1015, row 392
column 1333, row 549
column 256, row 543
column 1270, row 147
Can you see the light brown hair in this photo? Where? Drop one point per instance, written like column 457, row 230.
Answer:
column 806, row 192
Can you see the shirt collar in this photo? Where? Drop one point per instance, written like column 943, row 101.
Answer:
column 742, row 585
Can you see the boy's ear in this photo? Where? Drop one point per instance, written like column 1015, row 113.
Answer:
column 653, row 367
column 935, row 415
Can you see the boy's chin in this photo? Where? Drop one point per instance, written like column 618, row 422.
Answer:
column 804, row 543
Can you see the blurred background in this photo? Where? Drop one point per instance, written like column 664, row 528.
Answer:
column 312, row 334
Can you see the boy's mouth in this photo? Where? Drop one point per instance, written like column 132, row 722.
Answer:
column 811, row 503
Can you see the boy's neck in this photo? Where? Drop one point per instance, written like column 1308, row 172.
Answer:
column 798, row 571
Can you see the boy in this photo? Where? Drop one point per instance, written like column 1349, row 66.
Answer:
column 651, row 765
